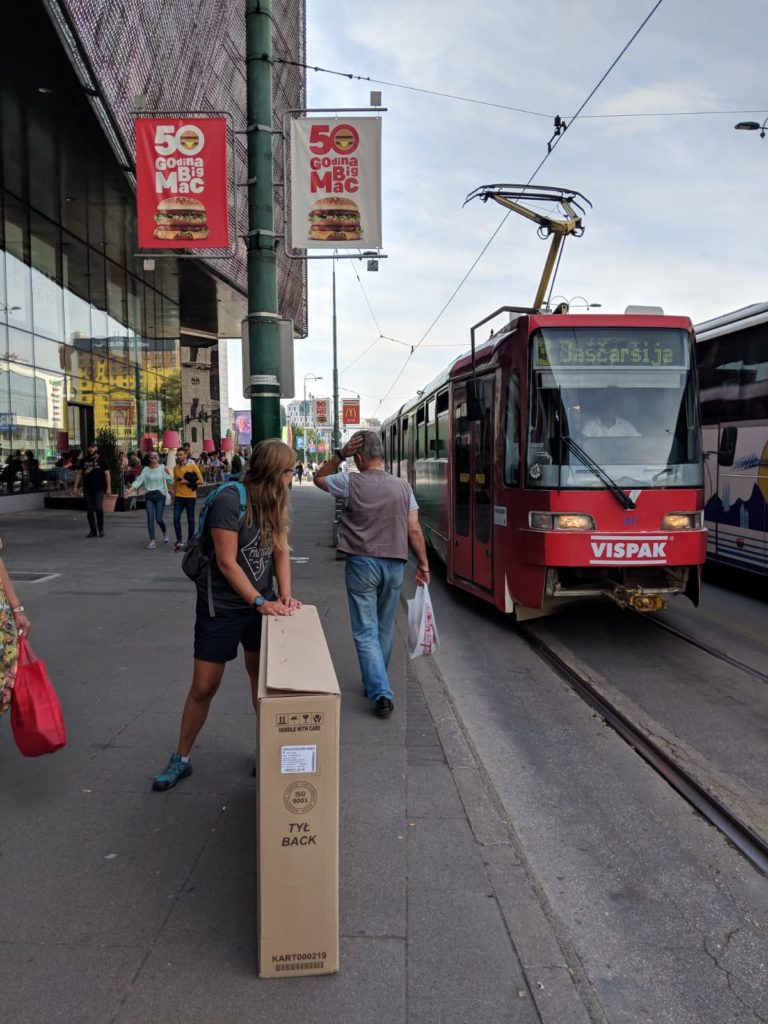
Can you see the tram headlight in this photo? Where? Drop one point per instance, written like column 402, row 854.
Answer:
column 560, row 521
column 681, row 521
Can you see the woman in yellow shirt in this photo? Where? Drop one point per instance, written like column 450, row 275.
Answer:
column 186, row 479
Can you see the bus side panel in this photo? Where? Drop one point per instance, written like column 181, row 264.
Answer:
column 739, row 508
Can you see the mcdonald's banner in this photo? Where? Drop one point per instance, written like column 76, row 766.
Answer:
column 321, row 411
column 181, row 182
column 350, row 412
column 335, row 183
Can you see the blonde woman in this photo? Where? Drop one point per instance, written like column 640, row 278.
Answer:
column 247, row 548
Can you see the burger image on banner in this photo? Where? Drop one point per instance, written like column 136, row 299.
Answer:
column 334, row 219
column 189, row 139
column 181, row 218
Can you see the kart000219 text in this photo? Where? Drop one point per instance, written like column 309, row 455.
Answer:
column 562, row 460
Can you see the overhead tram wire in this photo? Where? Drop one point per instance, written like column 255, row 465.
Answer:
column 550, row 150
column 505, row 106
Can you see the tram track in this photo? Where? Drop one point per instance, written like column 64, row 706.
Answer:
column 751, row 845
column 712, row 651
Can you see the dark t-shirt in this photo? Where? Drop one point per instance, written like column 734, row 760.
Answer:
column 93, row 469
column 253, row 557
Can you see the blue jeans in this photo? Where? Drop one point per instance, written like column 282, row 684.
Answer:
column 373, row 590
column 155, row 504
column 179, row 505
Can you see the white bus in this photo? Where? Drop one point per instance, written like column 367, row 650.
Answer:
column 732, row 357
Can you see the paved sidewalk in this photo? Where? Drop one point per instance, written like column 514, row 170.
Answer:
column 124, row 906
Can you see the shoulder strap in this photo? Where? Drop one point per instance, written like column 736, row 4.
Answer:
column 243, row 508
column 243, row 497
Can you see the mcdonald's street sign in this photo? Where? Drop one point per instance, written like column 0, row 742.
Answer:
column 350, row 412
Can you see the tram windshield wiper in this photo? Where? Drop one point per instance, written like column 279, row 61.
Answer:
column 585, row 459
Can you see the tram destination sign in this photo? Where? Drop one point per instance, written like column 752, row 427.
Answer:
column 607, row 349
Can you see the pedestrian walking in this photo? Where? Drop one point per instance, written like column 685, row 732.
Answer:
column 155, row 478
column 379, row 519
column 94, row 478
column 299, row 471
column 247, row 546
column 13, row 624
column 186, row 479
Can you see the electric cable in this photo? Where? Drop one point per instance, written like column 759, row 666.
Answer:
column 505, row 106
column 550, row 149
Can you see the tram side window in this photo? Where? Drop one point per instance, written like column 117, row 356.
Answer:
column 512, row 432
column 419, row 434
column 385, row 446
column 443, row 428
column 393, row 453
column 431, row 450
column 462, row 463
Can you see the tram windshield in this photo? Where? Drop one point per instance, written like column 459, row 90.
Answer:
column 612, row 406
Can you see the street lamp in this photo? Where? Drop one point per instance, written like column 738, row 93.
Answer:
column 307, row 376
column 569, row 302
column 752, row 126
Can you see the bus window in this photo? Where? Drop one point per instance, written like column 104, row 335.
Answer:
column 512, row 432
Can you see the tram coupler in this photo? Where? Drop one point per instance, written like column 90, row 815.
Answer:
column 637, row 600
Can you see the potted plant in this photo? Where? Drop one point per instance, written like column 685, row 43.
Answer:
column 106, row 439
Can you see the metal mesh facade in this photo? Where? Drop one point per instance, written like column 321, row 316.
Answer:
column 190, row 55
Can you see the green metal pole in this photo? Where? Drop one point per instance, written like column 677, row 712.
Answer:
column 263, row 339
column 336, row 432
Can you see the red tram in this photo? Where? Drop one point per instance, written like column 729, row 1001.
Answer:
column 560, row 460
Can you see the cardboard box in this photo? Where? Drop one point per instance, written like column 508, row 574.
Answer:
column 297, row 799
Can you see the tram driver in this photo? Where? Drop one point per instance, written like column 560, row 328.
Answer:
column 606, row 422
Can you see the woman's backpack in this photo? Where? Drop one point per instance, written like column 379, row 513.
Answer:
column 199, row 556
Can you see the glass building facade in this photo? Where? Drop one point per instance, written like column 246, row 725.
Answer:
column 90, row 335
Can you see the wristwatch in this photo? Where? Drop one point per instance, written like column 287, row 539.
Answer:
column 259, row 601
column 18, row 608
column 338, row 455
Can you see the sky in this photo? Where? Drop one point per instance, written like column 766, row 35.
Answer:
column 677, row 194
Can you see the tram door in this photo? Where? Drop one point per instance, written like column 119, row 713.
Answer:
column 472, row 487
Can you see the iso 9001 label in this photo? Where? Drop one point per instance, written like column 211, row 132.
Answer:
column 300, row 797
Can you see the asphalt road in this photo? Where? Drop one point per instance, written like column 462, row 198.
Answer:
column 666, row 920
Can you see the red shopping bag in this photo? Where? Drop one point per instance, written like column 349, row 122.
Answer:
column 36, row 718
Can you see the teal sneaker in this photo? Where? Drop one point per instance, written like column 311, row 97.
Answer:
column 174, row 772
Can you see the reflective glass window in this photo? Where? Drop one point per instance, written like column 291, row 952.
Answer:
column 98, row 281
column 49, row 355
column 18, row 278
column 47, row 296
column 43, row 156
column 77, row 316
column 12, row 152
column 21, row 348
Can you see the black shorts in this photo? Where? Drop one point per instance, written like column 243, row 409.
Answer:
column 217, row 639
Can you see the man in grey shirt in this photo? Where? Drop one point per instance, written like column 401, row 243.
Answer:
column 379, row 519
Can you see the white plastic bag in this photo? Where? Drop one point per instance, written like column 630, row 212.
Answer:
column 422, row 631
